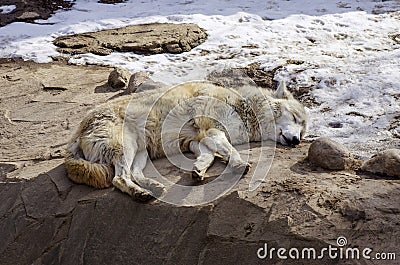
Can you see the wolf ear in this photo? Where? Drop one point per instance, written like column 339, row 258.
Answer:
column 282, row 91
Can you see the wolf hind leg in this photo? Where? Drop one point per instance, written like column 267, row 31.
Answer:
column 128, row 186
column 204, row 159
column 139, row 163
column 217, row 142
column 122, row 179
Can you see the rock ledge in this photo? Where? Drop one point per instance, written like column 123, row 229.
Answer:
column 141, row 39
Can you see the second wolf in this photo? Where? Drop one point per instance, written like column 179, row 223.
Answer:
column 113, row 142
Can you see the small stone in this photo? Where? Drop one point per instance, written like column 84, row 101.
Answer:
column 174, row 48
column 136, row 80
column 352, row 212
column 386, row 163
column 28, row 16
column 150, row 85
column 329, row 154
column 335, row 124
column 118, row 78
column 250, row 75
column 140, row 82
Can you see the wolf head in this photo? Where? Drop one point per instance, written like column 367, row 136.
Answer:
column 290, row 117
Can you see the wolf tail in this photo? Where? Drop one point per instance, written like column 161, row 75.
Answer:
column 82, row 171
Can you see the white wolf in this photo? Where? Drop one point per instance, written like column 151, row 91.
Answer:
column 113, row 142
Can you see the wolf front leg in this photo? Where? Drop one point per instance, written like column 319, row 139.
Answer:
column 217, row 142
column 204, row 159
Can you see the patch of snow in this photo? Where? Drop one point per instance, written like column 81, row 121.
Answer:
column 7, row 9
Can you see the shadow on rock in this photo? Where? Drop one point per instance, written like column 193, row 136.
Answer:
column 105, row 88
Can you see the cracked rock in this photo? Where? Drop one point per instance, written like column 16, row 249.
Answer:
column 141, row 39
column 50, row 220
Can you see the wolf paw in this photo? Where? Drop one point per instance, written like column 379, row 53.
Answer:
column 198, row 176
column 142, row 196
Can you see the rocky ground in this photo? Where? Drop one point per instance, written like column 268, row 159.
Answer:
column 312, row 195
column 46, row 219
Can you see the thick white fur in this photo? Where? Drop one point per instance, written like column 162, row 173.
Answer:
column 113, row 142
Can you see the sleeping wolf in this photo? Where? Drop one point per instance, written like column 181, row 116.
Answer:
column 113, row 142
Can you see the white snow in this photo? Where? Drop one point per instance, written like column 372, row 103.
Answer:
column 7, row 9
column 349, row 53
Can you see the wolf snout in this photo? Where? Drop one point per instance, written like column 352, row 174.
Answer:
column 295, row 140
column 292, row 141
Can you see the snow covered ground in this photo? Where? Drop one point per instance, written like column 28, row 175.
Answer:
column 350, row 49
column 7, row 9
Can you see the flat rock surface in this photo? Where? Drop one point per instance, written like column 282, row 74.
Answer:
column 40, row 105
column 47, row 219
column 141, row 39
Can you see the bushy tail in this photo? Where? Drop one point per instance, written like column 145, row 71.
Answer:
column 82, row 171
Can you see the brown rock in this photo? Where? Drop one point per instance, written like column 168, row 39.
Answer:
column 386, row 163
column 251, row 75
column 44, row 100
column 118, row 78
column 50, row 220
column 150, row 85
column 140, row 82
column 329, row 154
column 142, row 39
column 136, row 80
column 28, row 16
column 231, row 77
